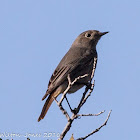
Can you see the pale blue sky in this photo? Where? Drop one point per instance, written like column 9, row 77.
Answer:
column 35, row 35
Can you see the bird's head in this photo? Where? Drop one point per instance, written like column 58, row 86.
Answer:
column 89, row 38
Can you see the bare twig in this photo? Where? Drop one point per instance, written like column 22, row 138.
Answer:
column 70, row 84
column 84, row 94
column 67, row 127
column 78, row 115
column 94, row 66
column 96, row 130
column 85, row 98
column 82, row 101
column 63, row 110
column 64, row 95
column 75, row 114
column 70, row 121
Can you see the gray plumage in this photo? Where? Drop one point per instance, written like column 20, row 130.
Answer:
column 77, row 62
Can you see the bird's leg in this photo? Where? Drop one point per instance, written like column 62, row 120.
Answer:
column 72, row 110
column 68, row 104
column 89, row 85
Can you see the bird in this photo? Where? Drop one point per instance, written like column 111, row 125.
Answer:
column 78, row 61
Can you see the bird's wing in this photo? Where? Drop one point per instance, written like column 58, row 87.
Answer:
column 65, row 67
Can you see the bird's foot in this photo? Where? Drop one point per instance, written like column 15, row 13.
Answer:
column 74, row 111
column 89, row 85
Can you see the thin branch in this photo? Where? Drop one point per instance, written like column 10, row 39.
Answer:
column 70, row 121
column 85, row 98
column 70, row 84
column 67, row 127
column 78, row 115
column 96, row 130
column 84, row 94
column 63, row 110
column 94, row 67
column 64, row 95
column 74, row 115
column 79, row 77
column 65, row 92
column 82, row 101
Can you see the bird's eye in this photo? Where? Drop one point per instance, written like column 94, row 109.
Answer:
column 87, row 35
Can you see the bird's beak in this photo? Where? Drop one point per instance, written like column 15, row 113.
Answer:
column 103, row 33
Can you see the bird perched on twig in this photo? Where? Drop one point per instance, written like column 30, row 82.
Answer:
column 78, row 61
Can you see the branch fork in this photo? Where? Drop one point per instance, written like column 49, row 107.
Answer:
column 84, row 98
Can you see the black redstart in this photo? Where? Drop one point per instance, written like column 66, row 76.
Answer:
column 78, row 61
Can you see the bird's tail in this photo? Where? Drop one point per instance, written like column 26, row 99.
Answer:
column 48, row 103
